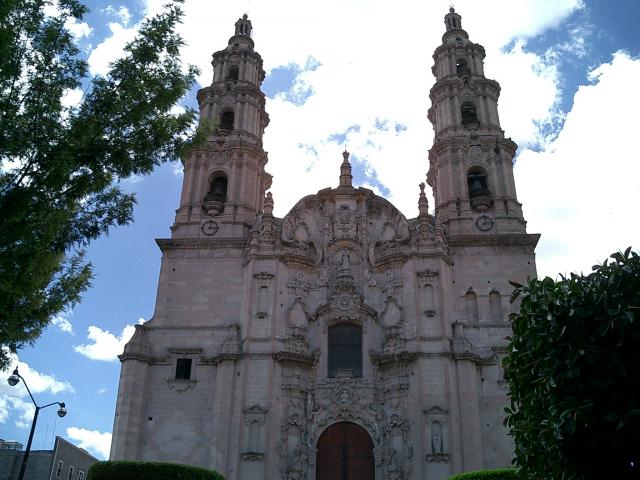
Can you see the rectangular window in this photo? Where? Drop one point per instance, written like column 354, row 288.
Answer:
column 183, row 369
column 80, row 475
column 59, row 470
column 70, row 473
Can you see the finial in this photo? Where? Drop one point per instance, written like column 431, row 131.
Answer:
column 423, row 203
column 453, row 20
column 345, row 170
column 268, row 204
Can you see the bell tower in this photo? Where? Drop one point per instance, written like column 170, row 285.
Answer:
column 470, row 170
column 225, row 181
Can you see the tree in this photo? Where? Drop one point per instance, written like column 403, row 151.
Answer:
column 61, row 166
column 573, row 371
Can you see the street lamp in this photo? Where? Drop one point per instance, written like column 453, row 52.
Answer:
column 13, row 380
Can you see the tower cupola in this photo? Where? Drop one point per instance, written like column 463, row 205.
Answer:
column 471, row 169
column 225, row 182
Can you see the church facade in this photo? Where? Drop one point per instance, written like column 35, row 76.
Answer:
column 343, row 341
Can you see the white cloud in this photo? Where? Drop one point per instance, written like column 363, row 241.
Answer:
column 62, row 322
column 97, row 443
column 582, row 191
column 102, row 390
column 110, row 49
column 105, row 346
column 122, row 13
column 15, row 401
column 78, row 29
column 71, row 97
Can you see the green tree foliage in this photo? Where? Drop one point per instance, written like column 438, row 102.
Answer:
column 60, row 166
column 573, row 371
column 124, row 470
column 499, row 474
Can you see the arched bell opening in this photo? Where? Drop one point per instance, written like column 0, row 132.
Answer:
column 345, row 350
column 345, row 451
column 216, row 196
column 227, row 120
column 468, row 113
column 233, row 73
column 461, row 67
column 479, row 193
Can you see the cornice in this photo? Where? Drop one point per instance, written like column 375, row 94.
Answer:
column 168, row 244
column 524, row 239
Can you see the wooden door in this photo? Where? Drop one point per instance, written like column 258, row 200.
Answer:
column 345, row 452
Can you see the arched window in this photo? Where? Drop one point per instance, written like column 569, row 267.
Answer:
column 227, row 120
column 468, row 113
column 471, row 307
column 232, row 73
column 217, row 190
column 345, row 349
column 461, row 67
column 495, row 306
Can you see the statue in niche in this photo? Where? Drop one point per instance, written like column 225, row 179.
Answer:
column 323, row 279
column 369, row 278
column 309, row 406
column 345, row 260
column 436, row 438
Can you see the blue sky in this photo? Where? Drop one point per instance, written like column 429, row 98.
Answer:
column 357, row 74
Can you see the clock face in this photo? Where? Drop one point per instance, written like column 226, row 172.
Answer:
column 484, row 223
column 209, row 227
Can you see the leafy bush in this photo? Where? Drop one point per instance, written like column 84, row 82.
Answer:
column 122, row 470
column 573, row 371
column 499, row 474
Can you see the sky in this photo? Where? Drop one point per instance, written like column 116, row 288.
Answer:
column 357, row 73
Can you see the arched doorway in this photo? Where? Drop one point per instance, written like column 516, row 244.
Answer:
column 345, row 452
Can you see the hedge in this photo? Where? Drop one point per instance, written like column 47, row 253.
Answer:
column 499, row 474
column 124, row 470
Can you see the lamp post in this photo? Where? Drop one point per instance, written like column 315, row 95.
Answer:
column 13, row 381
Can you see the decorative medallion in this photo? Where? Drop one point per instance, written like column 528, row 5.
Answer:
column 209, row 227
column 484, row 223
column 345, row 303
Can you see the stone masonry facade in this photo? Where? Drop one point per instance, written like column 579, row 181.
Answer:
column 267, row 331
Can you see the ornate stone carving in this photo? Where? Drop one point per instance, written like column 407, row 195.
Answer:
column 345, row 224
column 393, row 342
column 297, row 341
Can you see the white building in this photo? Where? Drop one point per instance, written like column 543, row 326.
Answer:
column 343, row 341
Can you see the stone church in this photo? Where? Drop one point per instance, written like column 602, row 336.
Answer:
column 345, row 340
